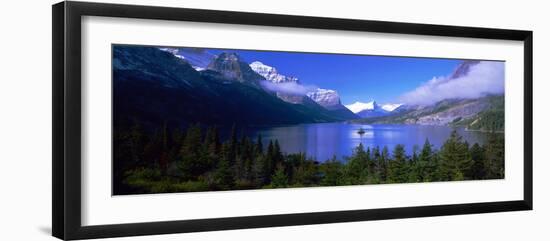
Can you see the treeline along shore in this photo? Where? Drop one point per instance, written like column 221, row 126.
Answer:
column 196, row 159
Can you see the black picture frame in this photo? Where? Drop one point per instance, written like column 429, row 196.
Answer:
column 66, row 58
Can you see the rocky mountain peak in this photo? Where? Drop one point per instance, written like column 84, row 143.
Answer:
column 325, row 97
column 463, row 68
column 228, row 56
column 231, row 67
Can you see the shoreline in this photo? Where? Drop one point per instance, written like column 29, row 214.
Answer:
column 483, row 131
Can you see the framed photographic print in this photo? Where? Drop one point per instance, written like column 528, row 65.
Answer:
column 169, row 120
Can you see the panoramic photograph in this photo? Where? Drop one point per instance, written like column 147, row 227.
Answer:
column 189, row 119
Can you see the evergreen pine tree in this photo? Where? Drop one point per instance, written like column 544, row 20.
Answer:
column 371, row 165
column 384, row 158
column 223, row 175
column 176, row 143
column 243, row 144
column 215, row 143
column 225, row 155
column 356, row 168
column 232, row 154
column 455, row 158
column 244, row 159
column 477, row 171
column 137, row 142
column 259, row 145
column 397, row 169
column 193, row 162
column 427, row 168
column 164, row 151
column 277, row 155
column 306, row 173
column 250, row 156
column 258, row 175
column 279, row 178
column 331, row 170
column 494, row 156
column 413, row 166
column 249, row 168
column 269, row 159
column 152, row 150
column 380, row 165
column 211, row 147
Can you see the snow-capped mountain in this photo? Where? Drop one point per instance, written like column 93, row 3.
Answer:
column 281, row 85
column 325, row 97
column 330, row 100
column 372, row 109
column 188, row 96
column 270, row 73
column 391, row 107
column 361, row 106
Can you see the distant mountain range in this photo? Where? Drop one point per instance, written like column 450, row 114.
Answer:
column 329, row 99
column 271, row 74
column 155, row 86
column 485, row 113
column 373, row 109
column 180, row 86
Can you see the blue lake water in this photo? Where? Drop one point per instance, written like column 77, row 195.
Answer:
column 323, row 140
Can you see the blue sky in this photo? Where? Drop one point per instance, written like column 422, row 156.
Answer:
column 356, row 78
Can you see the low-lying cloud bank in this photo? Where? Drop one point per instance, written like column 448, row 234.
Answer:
column 484, row 78
column 288, row 88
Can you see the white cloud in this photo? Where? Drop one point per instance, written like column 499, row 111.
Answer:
column 484, row 78
column 288, row 87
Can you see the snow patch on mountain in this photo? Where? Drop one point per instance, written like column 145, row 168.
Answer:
column 270, row 73
column 173, row 51
column 325, row 97
column 372, row 105
column 390, row 107
column 198, row 58
column 289, row 89
column 361, row 106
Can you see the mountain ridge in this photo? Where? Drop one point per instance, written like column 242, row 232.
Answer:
column 485, row 113
column 153, row 87
column 270, row 73
column 228, row 67
column 372, row 108
column 329, row 99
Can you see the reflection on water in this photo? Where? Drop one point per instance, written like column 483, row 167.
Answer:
column 324, row 140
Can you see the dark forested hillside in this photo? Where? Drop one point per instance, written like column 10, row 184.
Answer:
column 154, row 87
